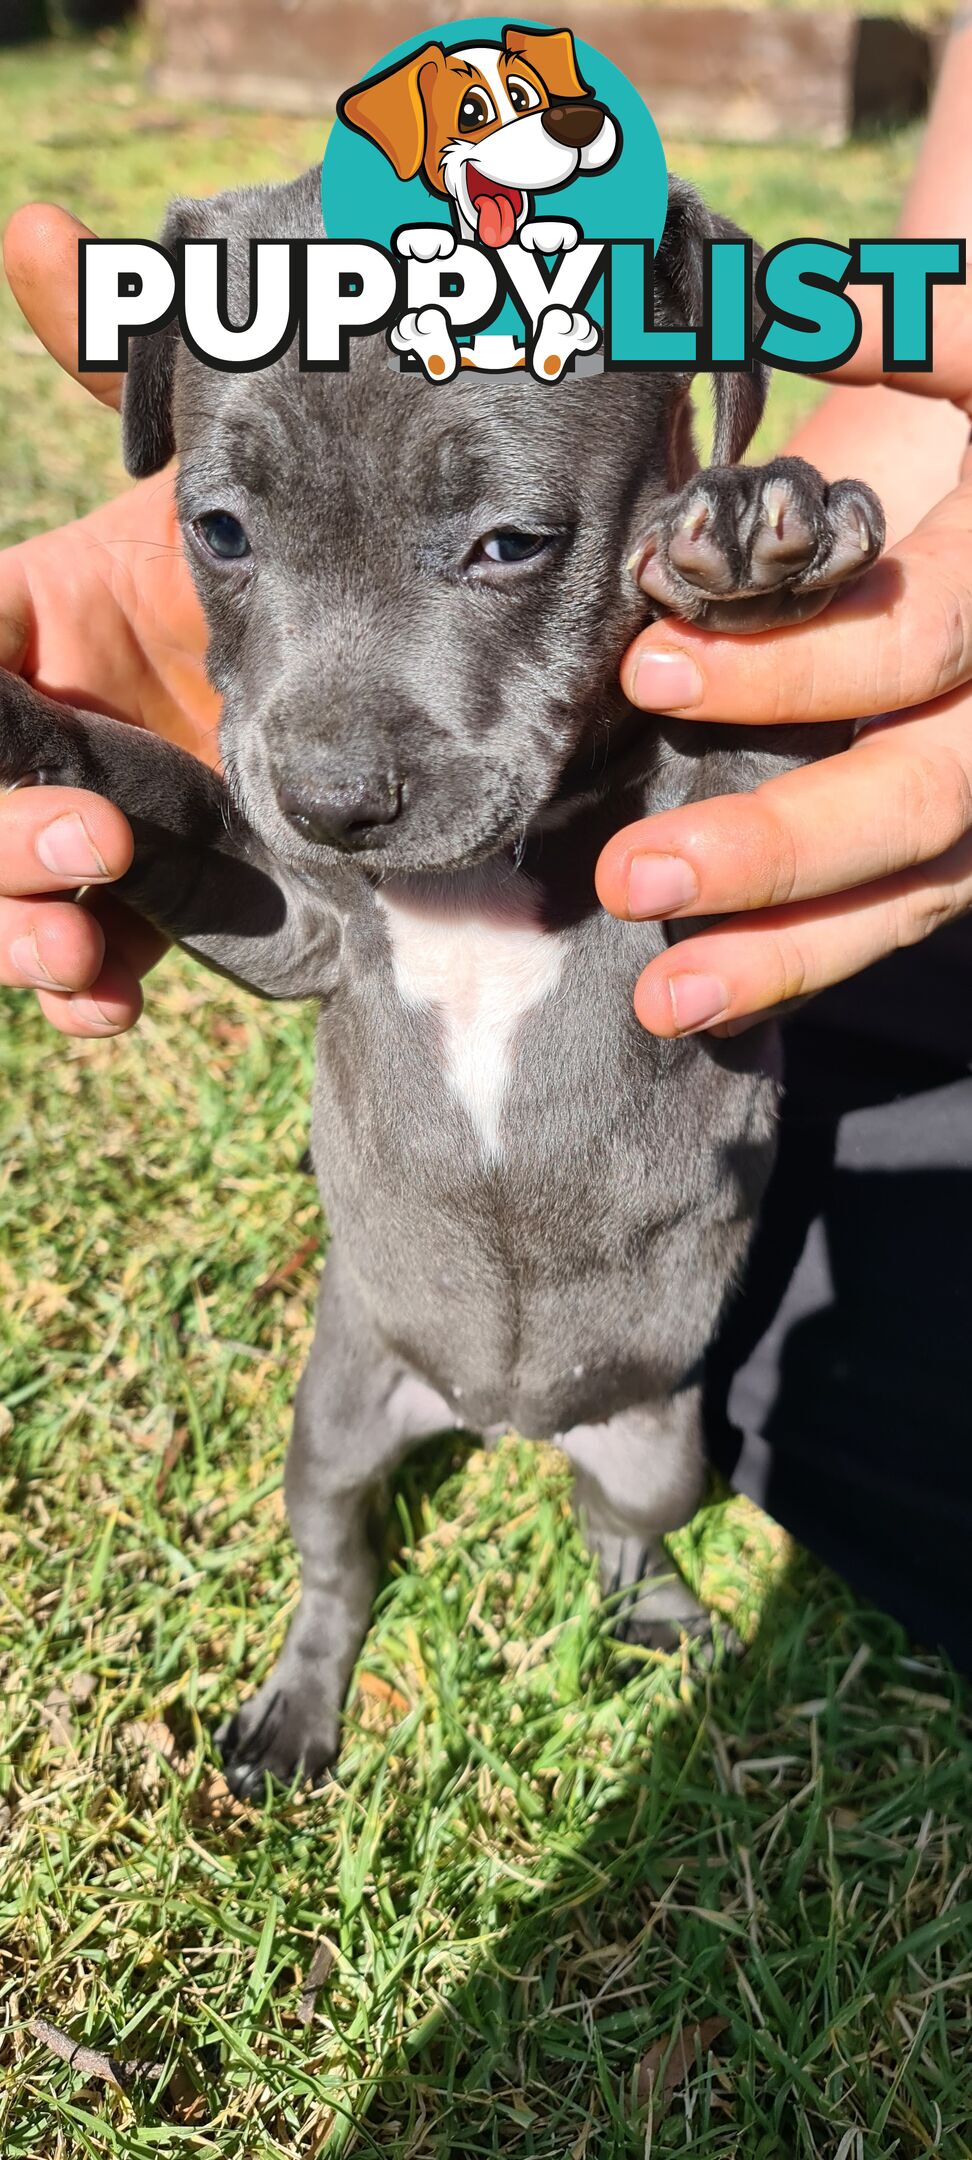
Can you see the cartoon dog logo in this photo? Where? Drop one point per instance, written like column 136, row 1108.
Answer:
column 489, row 128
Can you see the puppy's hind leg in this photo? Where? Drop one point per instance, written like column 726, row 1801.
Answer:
column 358, row 1413
column 637, row 1476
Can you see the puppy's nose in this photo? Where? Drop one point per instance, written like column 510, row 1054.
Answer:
column 349, row 814
column 574, row 126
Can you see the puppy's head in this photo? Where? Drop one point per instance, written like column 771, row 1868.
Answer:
column 417, row 595
column 487, row 125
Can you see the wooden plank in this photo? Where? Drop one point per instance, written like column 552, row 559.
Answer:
column 726, row 74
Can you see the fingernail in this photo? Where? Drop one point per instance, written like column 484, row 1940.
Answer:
column 667, row 682
column 66, row 848
column 659, row 883
column 28, row 963
column 697, row 1000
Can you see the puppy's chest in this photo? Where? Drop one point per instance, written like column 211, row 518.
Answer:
column 473, row 957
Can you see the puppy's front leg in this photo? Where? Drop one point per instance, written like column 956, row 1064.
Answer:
column 199, row 873
column 758, row 547
column 358, row 1413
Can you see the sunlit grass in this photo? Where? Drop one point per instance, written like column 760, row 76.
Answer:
column 540, row 1857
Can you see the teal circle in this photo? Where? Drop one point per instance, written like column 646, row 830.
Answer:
column 363, row 199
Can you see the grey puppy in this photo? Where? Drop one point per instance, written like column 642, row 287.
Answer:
column 418, row 597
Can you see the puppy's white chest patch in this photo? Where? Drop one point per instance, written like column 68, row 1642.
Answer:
column 473, row 949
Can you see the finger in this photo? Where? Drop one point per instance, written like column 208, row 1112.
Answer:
column 49, row 945
column 950, row 376
column 40, row 256
column 901, row 796
column 900, row 636
column 17, row 616
column 112, row 1004
column 54, row 837
column 132, row 941
column 754, row 966
column 944, row 167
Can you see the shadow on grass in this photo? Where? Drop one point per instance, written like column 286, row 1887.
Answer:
column 733, row 1863
column 543, row 1857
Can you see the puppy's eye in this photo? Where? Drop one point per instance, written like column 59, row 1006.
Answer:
column 223, row 535
column 476, row 111
column 507, row 550
column 522, row 95
column 513, row 547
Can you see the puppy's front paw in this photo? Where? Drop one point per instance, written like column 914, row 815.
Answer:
column 425, row 243
column 280, row 1733
column 548, row 236
column 756, row 547
column 39, row 741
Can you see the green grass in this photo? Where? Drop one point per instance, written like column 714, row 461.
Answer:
column 538, row 1861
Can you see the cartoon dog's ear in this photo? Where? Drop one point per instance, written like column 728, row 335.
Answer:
column 680, row 264
column 551, row 54
column 390, row 109
column 148, row 439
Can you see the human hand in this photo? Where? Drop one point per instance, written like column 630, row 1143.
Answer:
column 841, row 862
column 101, row 612
column 838, row 863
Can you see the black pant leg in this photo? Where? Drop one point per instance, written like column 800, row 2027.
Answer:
column 840, row 1392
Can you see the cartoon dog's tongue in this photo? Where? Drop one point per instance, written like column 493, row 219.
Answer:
column 497, row 209
column 497, row 223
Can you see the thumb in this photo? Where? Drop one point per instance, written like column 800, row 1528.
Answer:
column 40, row 256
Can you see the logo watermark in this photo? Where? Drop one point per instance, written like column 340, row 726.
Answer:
column 494, row 198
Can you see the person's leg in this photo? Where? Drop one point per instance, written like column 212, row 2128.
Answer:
column 840, row 1392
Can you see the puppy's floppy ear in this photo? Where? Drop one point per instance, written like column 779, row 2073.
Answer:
column 148, row 440
column 551, row 54
column 390, row 109
column 680, row 263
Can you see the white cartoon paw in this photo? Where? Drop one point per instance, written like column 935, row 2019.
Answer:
column 425, row 242
column 549, row 236
column 561, row 332
column 425, row 333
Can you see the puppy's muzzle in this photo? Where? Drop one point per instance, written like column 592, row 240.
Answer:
column 574, row 126
column 350, row 814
